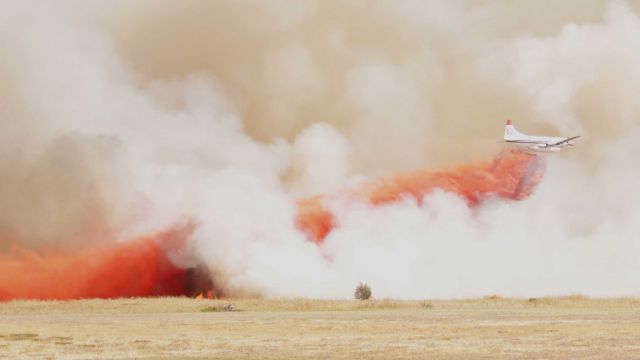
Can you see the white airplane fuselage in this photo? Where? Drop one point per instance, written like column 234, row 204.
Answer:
column 536, row 143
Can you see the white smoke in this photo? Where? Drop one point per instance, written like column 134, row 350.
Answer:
column 127, row 118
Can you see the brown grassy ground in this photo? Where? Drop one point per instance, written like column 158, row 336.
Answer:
column 575, row 327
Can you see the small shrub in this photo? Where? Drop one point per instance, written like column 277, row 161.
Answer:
column 219, row 308
column 210, row 309
column 363, row 292
column 427, row 305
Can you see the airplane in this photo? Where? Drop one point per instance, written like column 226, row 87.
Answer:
column 536, row 143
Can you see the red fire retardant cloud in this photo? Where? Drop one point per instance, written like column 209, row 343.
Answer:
column 142, row 268
column 135, row 268
column 513, row 175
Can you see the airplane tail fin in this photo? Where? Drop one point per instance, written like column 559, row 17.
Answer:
column 511, row 134
column 510, row 131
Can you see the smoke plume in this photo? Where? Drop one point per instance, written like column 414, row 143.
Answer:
column 120, row 120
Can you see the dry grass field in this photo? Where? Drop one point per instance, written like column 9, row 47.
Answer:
column 181, row 328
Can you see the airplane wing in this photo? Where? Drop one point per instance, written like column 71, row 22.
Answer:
column 564, row 141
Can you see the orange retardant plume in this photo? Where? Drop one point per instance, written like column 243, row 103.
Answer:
column 512, row 175
column 132, row 269
column 141, row 267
